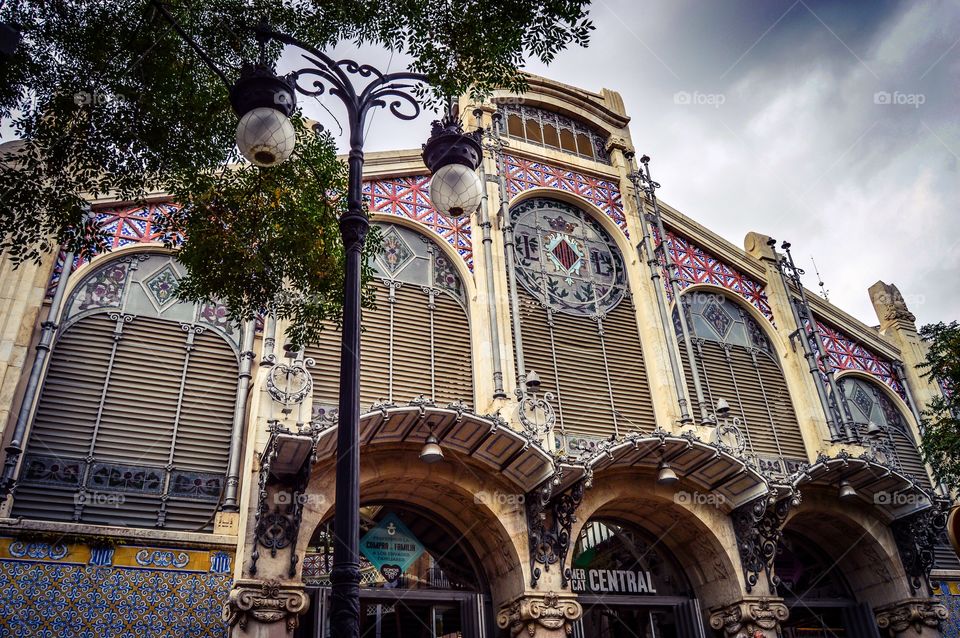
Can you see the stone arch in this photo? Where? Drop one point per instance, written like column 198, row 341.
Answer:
column 699, row 535
column 483, row 508
column 894, row 398
column 860, row 543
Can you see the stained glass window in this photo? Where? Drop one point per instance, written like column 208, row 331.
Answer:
column 406, row 256
column 565, row 258
column 715, row 317
column 869, row 403
column 553, row 130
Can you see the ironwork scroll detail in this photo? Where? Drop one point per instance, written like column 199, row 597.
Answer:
column 549, row 519
column 758, row 526
column 916, row 536
column 276, row 527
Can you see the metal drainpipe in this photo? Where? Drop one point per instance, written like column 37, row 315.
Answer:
column 239, row 418
column 843, row 409
column 902, row 378
column 675, row 289
column 665, row 321
column 485, row 224
column 811, row 358
column 509, row 243
column 48, row 331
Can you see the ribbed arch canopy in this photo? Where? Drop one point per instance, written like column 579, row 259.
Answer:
column 133, row 421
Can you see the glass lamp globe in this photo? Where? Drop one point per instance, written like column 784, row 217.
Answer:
column 265, row 136
column 456, row 190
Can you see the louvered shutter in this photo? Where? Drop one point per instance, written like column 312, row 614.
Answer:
column 572, row 367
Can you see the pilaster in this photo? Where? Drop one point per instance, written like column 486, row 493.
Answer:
column 796, row 369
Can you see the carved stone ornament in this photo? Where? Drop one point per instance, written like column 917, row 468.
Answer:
column 265, row 602
column 540, row 615
column 750, row 618
column 913, row 613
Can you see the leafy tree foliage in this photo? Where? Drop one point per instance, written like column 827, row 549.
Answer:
column 941, row 435
column 107, row 101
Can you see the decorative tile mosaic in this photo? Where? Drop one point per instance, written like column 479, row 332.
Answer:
column 949, row 594
column 410, row 197
column 122, row 592
column 523, row 175
column 123, row 225
column 846, row 354
column 697, row 266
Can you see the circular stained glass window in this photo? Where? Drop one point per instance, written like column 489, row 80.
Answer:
column 566, row 259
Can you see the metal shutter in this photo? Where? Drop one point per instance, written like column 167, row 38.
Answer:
column 757, row 392
column 402, row 365
column 570, row 362
column 137, row 374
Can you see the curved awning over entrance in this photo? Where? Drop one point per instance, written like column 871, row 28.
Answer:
column 708, row 468
column 884, row 487
column 488, row 440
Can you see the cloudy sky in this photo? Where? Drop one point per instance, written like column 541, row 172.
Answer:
column 834, row 125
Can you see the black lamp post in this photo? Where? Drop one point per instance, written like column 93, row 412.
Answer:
column 264, row 102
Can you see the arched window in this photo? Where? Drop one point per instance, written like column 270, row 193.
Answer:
column 133, row 422
column 737, row 363
column 417, row 340
column 578, row 324
column 553, row 130
column 870, row 404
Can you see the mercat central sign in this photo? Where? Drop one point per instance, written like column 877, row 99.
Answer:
column 606, row 581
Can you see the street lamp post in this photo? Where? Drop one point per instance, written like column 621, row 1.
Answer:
column 263, row 102
column 452, row 158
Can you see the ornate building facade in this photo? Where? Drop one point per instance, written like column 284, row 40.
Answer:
column 645, row 429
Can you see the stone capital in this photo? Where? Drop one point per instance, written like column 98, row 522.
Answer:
column 264, row 608
column 548, row 615
column 617, row 143
column 752, row 617
column 913, row 613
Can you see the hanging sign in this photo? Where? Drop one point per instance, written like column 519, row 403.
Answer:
column 607, row 581
column 391, row 547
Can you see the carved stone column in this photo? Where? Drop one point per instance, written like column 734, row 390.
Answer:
column 753, row 617
column 921, row 615
column 264, row 609
column 549, row 615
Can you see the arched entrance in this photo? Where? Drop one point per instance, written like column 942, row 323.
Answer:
column 630, row 585
column 420, row 578
column 817, row 594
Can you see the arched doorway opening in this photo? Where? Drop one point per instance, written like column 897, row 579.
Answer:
column 630, row 585
column 822, row 603
column 419, row 577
